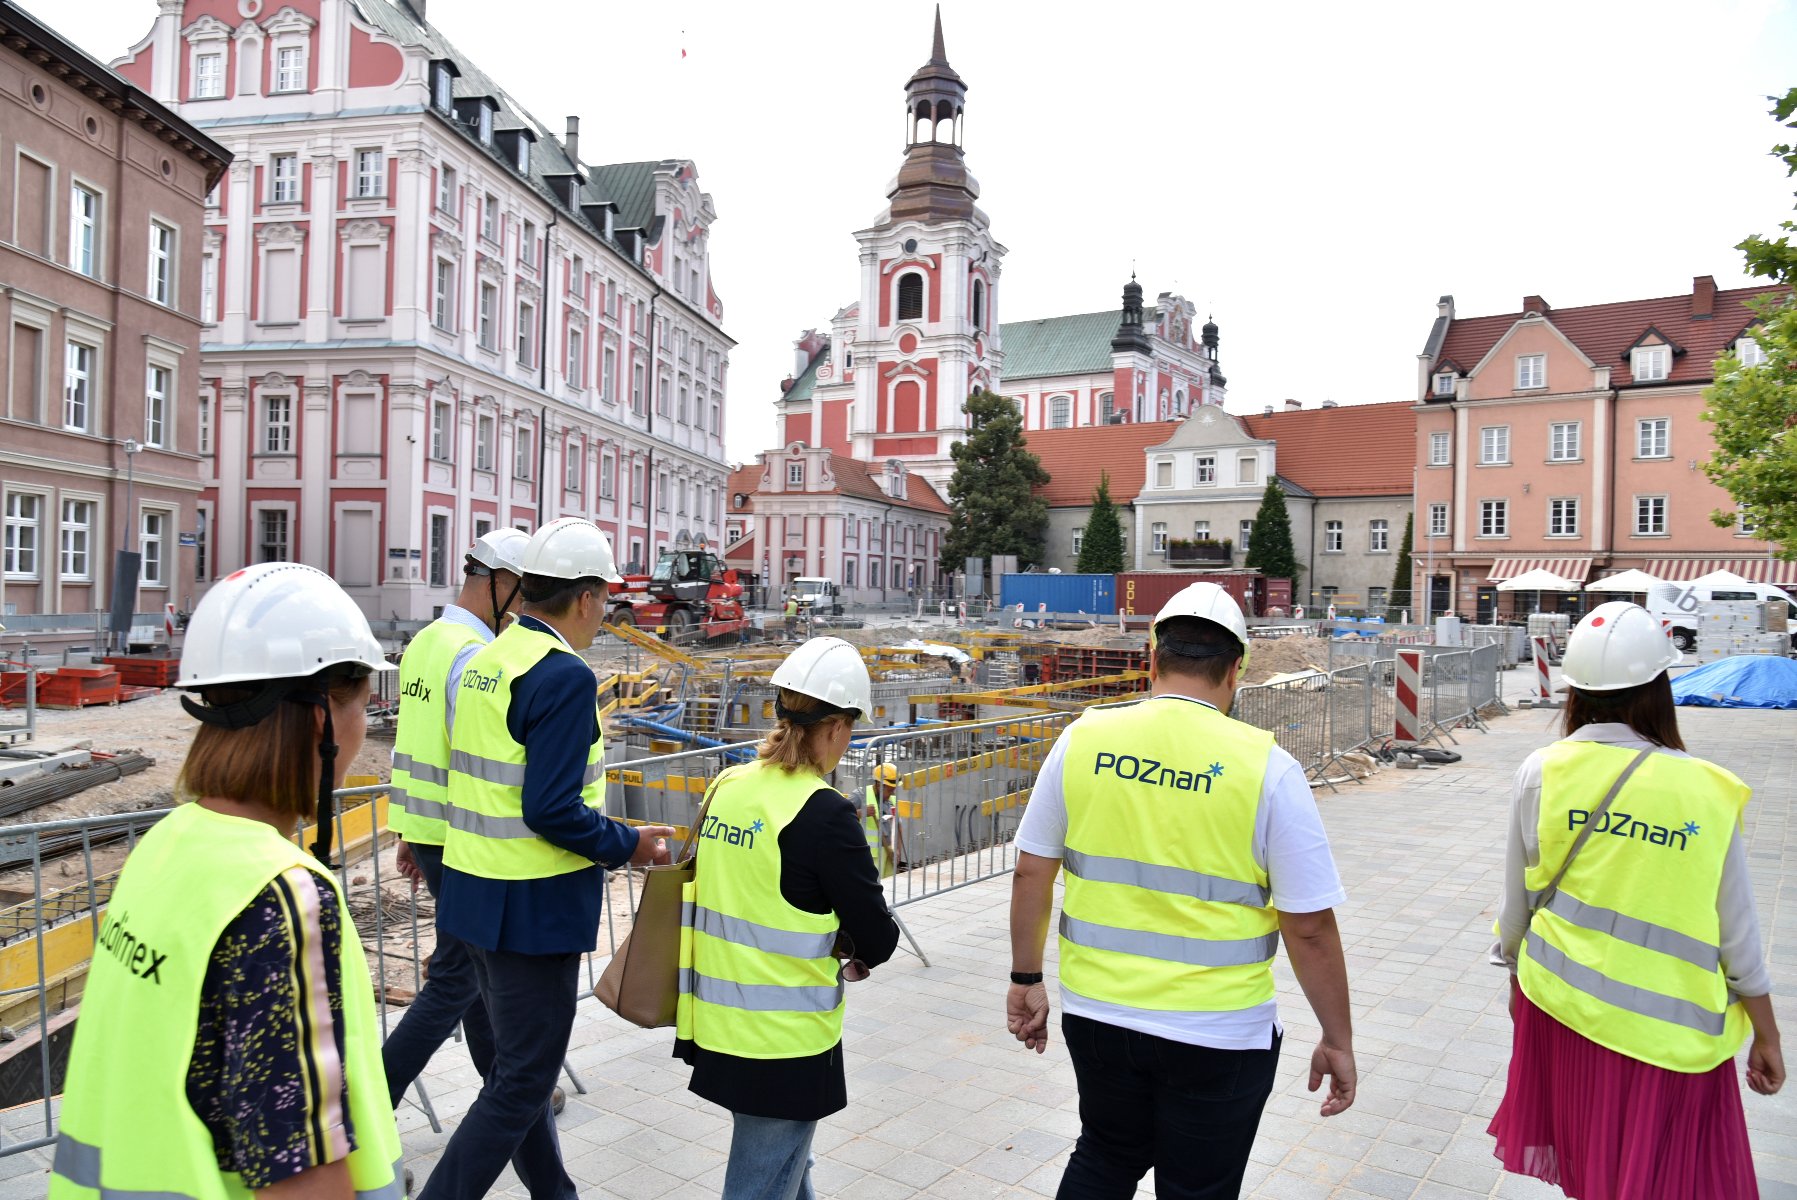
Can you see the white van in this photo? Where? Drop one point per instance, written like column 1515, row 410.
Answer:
column 817, row 593
column 1679, row 604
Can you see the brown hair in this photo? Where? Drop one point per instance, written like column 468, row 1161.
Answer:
column 273, row 762
column 1197, row 632
column 554, row 597
column 1646, row 708
column 790, row 746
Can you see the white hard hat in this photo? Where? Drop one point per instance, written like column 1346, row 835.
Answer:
column 499, row 550
column 828, row 669
column 1618, row 645
column 571, row 548
column 1207, row 602
column 276, row 620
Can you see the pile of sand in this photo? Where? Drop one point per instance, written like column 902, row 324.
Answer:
column 1278, row 656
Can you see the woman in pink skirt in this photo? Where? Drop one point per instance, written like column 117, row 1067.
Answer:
column 1629, row 923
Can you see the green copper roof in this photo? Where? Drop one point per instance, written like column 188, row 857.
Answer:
column 1074, row 345
column 630, row 186
column 803, row 386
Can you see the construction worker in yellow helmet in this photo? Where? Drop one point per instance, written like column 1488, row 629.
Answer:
column 880, row 820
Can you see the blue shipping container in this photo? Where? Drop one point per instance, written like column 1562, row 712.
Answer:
column 1095, row 594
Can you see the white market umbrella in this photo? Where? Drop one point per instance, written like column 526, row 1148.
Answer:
column 1727, row 581
column 1631, row 580
column 1539, row 580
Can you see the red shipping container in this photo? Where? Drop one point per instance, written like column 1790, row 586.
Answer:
column 1142, row 593
column 1279, row 595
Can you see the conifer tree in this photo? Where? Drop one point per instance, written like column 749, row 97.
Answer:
column 993, row 508
column 1400, row 578
column 1270, row 549
column 1101, row 549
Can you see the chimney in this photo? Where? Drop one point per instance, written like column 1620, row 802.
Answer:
column 1328, row 404
column 1535, row 304
column 572, row 141
column 1703, row 297
column 1267, row 411
column 786, row 384
column 417, row 7
column 1293, row 405
column 801, row 355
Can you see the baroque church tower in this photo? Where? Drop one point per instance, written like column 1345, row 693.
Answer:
column 924, row 333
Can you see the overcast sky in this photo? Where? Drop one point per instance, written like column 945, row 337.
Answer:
column 1315, row 175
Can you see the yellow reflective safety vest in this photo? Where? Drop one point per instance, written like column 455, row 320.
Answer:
column 1627, row 950
column 1165, row 908
column 870, row 827
column 416, row 807
column 487, row 835
column 757, row 978
column 127, row 1128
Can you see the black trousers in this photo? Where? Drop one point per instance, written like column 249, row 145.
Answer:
column 1189, row 1112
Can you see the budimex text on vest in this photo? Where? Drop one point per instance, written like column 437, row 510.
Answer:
column 1153, row 772
column 131, row 954
column 1624, row 825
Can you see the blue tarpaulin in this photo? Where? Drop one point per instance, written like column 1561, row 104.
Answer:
column 1746, row 681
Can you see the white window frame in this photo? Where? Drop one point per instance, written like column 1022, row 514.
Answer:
column 442, row 430
column 208, row 84
column 1060, row 412
column 75, row 562
column 1201, row 531
column 1444, row 383
column 203, row 422
column 1332, row 537
column 524, row 458
column 1378, row 536
column 608, row 475
column 1645, row 515
column 608, row 370
column 1157, row 537
column 290, row 68
column 87, row 207
column 573, row 466
column 1204, row 470
column 795, row 474
column 260, row 524
column 1745, row 523
column 1749, row 351
column 153, row 546
column 1163, row 472
column 1494, row 445
column 1247, row 469
column 371, row 174
column 161, row 284
column 1494, row 518
column 1653, row 437
column 158, row 405
column 443, row 295
column 1650, row 364
column 1441, row 449
column 1244, row 534
column 485, row 441
column 1531, row 372
column 527, row 334
column 1438, row 520
column 209, row 288
column 277, row 435
column 283, row 185
column 489, row 217
column 13, row 542
column 1563, row 516
column 446, row 189
column 487, row 316
column 78, row 396
column 1565, row 441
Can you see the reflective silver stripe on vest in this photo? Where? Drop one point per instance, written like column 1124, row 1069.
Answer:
column 422, row 771
column 1175, row 881
column 482, row 825
column 593, row 774
column 741, row 932
column 1636, row 932
column 79, row 1163
column 1627, row 997
column 760, row 997
column 489, row 769
column 417, row 806
column 1193, row 952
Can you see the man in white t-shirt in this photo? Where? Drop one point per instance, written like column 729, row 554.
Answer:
column 1191, row 843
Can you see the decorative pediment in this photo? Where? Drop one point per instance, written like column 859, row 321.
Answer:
column 275, row 380
column 908, row 368
column 1651, row 337
column 207, row 29
column 364, row 231
column 491, row 268
column 447, row 244
column 289, row 20
column 359, row 378
column 247, row 30
column 529, row 291
column 280, row 233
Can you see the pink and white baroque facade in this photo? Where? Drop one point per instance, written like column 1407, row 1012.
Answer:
column 425, row 316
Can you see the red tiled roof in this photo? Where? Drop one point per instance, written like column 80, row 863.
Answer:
column 744, row 480
column 1350, row 450
column 856, row 478
column 1606, row 332
column 1075, row 458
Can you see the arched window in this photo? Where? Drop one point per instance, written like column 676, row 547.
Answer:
column 979, row 304
column 1179, row 403
column 910, row 297
column 1060, row 412
column 1107, row 407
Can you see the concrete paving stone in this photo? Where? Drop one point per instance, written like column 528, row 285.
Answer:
column 1480, row 1177
column 1288, row 1185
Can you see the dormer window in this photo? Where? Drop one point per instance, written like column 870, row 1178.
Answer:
column 1750, row 352
column 1649, row 363
column 486, row 125
column 1444, row 383
column 443, row 85
column 523, row 155
column 795, row 474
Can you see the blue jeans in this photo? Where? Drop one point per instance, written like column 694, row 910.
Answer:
column 1189, row 1112
column 770, row 1159
column 530, row 1002
column 450, row 994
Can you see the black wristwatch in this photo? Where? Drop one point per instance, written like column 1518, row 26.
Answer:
column 1025, row 978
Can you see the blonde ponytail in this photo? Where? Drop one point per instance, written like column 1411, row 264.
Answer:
column 790, row 746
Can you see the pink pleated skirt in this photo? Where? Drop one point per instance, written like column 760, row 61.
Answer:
column 1604, row 1126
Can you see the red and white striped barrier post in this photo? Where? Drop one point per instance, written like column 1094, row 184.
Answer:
column 1408, row 682
column 168, row 621
column 1543, row 686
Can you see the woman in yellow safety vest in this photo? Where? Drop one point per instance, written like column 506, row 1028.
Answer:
column 227, row 1040
column 785, row 908
column 1628, row 920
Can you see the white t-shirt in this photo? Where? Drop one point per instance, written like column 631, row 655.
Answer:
column 1290, row 844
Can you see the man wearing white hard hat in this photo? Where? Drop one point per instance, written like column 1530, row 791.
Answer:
column 525, row 853
column 1629, row 923
column 1191, row 844
column 428, row 674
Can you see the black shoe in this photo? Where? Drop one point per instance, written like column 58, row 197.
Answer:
column 558, row 1100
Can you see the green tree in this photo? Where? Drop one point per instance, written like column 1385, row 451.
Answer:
column 993, row 508
column 1270, row 549
column 1754, row 408
column 1400, row 578
column 1101, row 550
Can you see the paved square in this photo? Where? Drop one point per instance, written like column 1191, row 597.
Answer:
column 943, row 1103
